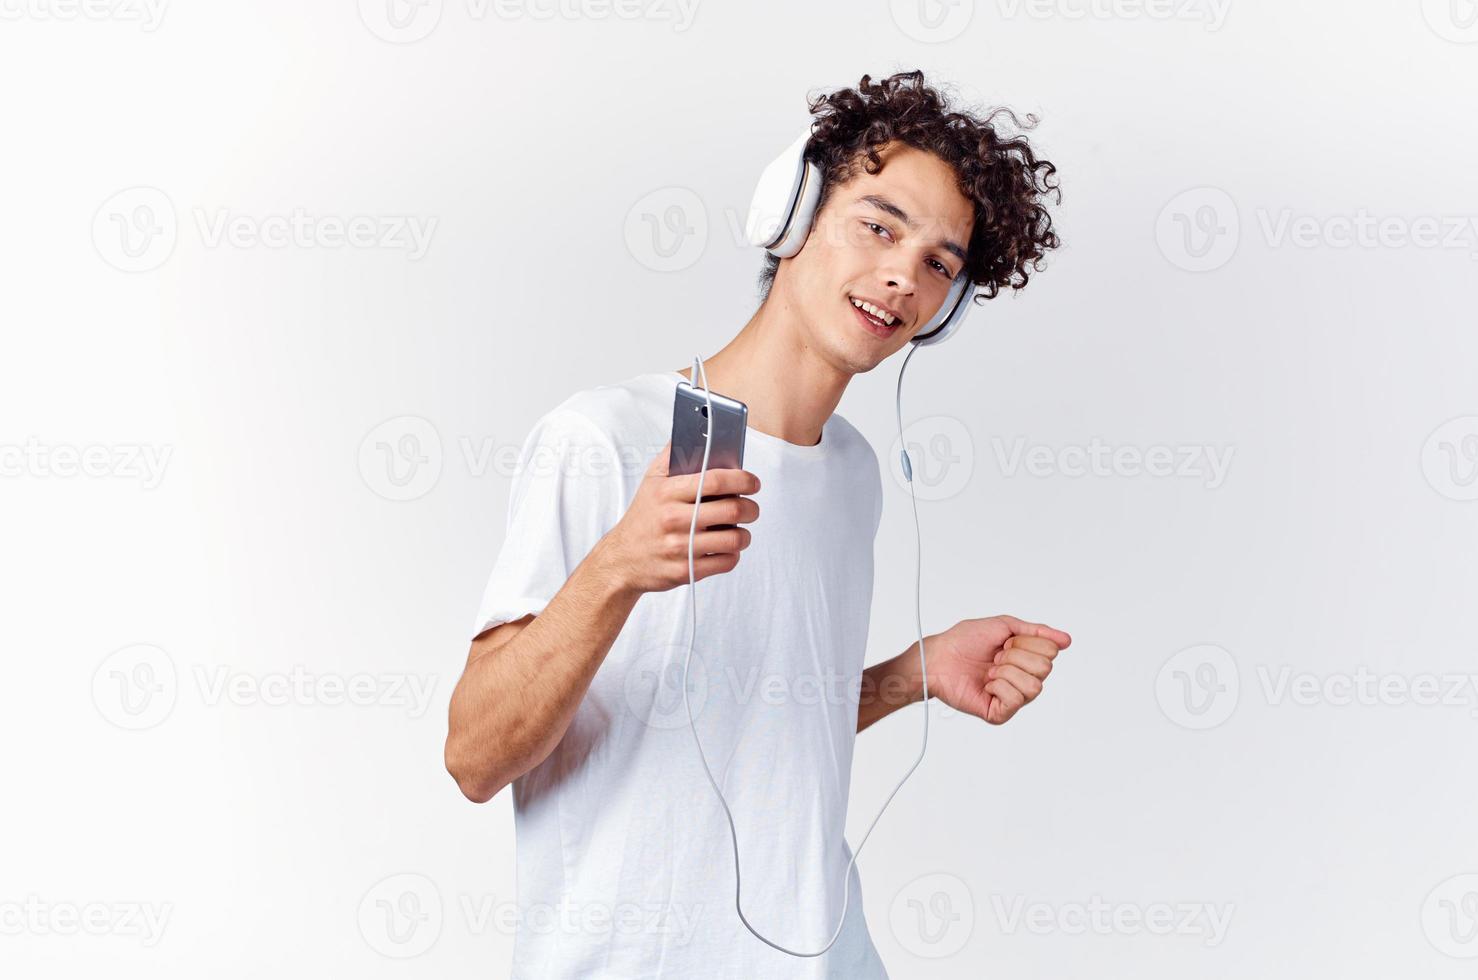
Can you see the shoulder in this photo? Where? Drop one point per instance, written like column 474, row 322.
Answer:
column 625, row 420
column 607, row 409
column 618, row 407
column 857, row 456
column 852, row 446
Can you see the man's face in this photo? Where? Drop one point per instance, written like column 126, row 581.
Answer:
column 894, row 239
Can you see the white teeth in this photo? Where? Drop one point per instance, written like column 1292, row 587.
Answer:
column 887, row 318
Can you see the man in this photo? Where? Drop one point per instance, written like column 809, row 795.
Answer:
column 572, row 690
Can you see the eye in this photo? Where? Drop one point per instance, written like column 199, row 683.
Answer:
column 874, row 227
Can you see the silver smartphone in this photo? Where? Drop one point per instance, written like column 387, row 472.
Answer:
column 689, row 422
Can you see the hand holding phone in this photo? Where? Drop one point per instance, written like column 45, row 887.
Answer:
column 648, row 547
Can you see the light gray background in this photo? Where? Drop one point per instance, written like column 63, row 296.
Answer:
column 1213, row 163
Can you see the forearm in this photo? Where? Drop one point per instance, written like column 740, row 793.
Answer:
column 890, row 685
column 513, row 705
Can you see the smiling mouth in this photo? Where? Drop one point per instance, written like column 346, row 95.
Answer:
column 873, row 324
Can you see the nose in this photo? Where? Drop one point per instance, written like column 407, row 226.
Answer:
column 898, row 277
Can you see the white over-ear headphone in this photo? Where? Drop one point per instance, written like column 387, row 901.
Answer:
column 780, row 216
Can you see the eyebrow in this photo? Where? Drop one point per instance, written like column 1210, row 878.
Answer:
column 888, row 207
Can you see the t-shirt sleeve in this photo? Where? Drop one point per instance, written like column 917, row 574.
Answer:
column 565, row 496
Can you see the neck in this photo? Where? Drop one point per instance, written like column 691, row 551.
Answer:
column 789, row 389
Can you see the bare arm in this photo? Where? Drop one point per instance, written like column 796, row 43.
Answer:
column 524, row 679
column 890, row 685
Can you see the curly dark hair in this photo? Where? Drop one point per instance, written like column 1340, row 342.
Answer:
column 1000, row 174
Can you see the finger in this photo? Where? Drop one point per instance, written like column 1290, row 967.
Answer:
column 1033, row 663
column 713, row 565
column 1022, row 628
column 717, row 542
column 1036, row 644
column 1028, row 685
column 1008, row 701
column 715, row 482
column 730, row 510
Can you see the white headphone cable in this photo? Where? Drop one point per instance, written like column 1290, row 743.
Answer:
column 699, row 373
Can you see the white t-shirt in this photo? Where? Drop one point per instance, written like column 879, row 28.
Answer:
column 625, row 866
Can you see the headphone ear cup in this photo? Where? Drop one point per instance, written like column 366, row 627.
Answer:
column 799, row 227
column 784, row 201
column 952, row 313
